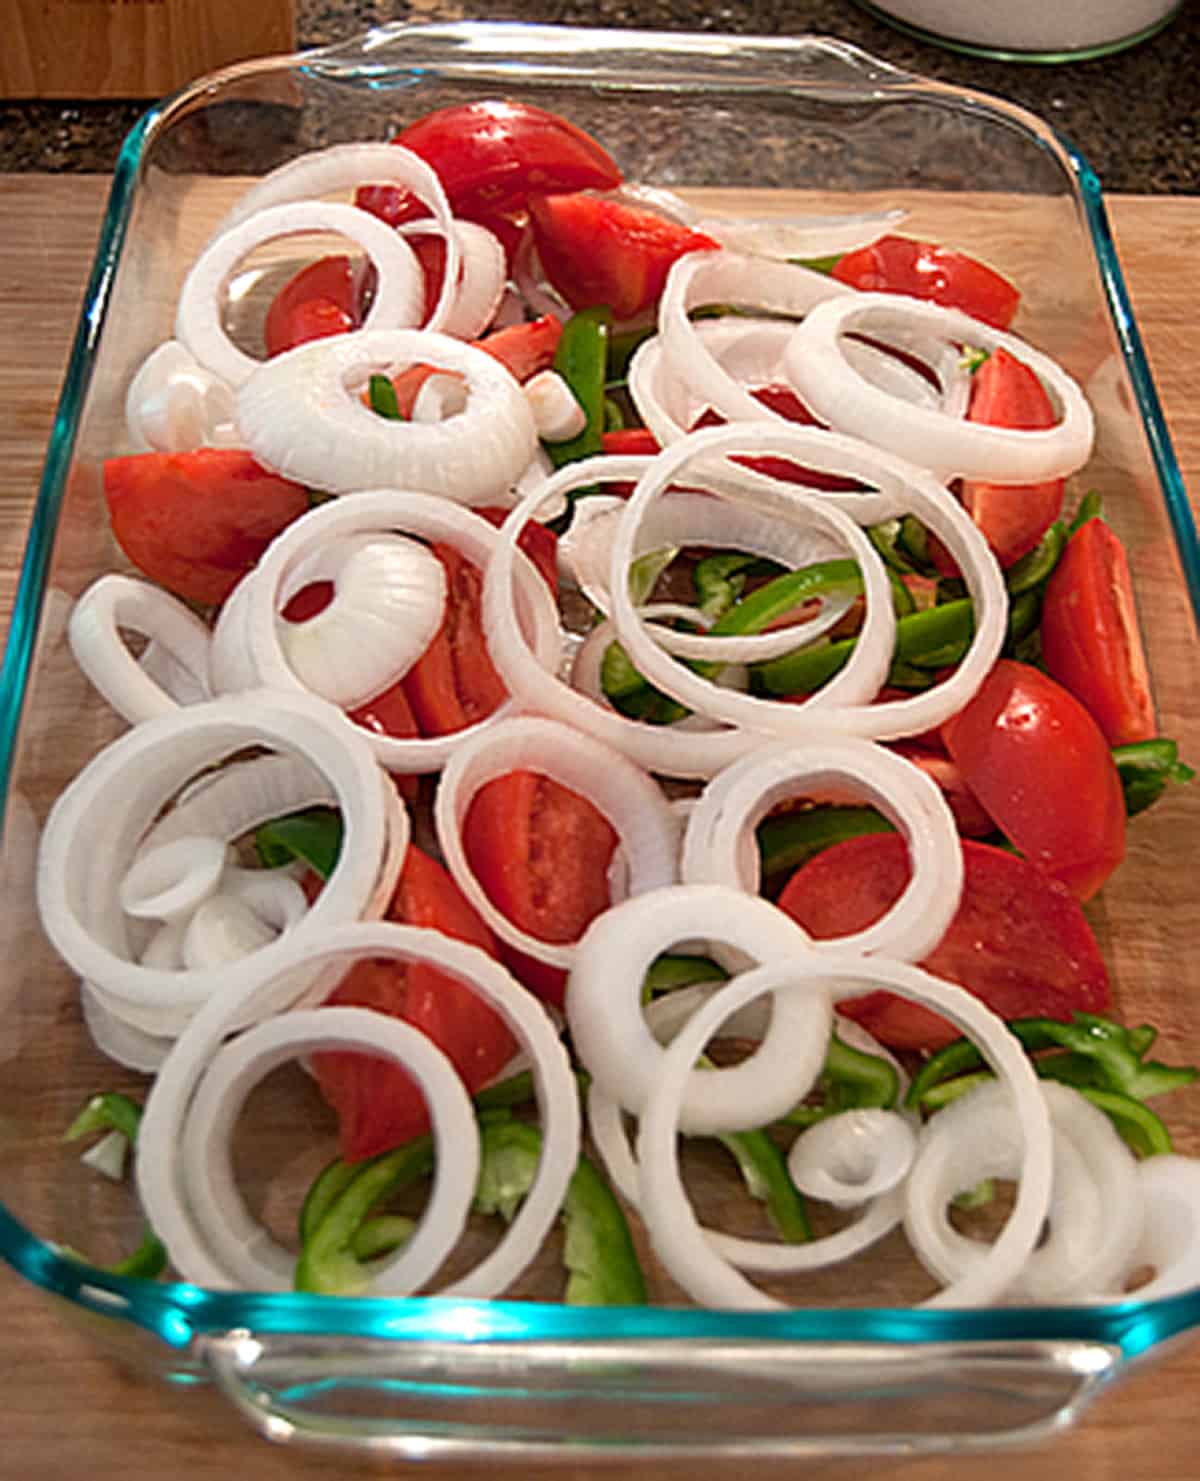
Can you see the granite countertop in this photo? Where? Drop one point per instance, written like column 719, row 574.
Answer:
column 1134, row 115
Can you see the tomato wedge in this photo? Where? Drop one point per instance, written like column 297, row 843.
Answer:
column 542, row 854
column 1019, row 940
column 491, row 156
column 196, row 522
column 598, row 251
column 1013, row 517
column 925, row 270
column 1040, row 766
column 377, row 1105
column 1091, row 642
column 322, row 299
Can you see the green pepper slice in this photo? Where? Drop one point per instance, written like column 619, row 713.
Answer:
column 582, row 361
column 113, row 1111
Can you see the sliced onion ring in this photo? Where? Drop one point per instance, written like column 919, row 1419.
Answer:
column 697, row 1264
column 848, row 1159
column 189, row 1229
column 97, row 826
column 342, row 167
column 246, row 649
column 398, row 302
column 628, row 797
column 615, row 1044
column 113, row 603
column 301, row 415
column 719, row 844
column 949, row 447
column 534, row 685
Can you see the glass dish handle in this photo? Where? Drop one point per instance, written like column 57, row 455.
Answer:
column 486, row 50
column 643, row 1399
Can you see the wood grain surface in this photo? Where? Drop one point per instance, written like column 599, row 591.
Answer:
column 70, row 1410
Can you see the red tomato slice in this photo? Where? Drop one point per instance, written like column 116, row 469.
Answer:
column 523, row 350
column 491, row 156
column 969, row 817
column 630, row 441
column 541, row 853
column 539, row 543
column 322, row 299
column 939, row 274
column 196, row 522
column 1090, row 638
column 1019, row 941
column 606, row 252
column 784, row 402
column 454, row 683
column 1039, row 764
column 377, row 1105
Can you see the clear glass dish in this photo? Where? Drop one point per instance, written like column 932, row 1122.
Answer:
column 523, row 1378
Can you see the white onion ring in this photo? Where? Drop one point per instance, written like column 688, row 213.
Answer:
column 851, row 1158
column 186, row 1228
column 398, row 302
column 698, row 1265
column 246, row 651
column 1170, row 1242
column 388, row 603
column 719, row 841
column 614, row 1043
column 95, row 830
column 172, row 880
column 173, row 404
column 251, row 1257
column 947, row 446
column 536, row 688
column 1095, row 1211
column 831, row 704
column 789, row 237
column 481, row 280
column 628, row 797
column 300, row 415
column 116, row 602
column 729, row 277
column 343, row 167
column 679, row 518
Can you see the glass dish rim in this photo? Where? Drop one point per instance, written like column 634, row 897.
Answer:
column 176, row 1313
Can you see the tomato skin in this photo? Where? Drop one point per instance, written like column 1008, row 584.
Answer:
column 784, row 402
column 454, row 682
column 969, row 817
column 939, row 274
column 1090, row 638
column 491, row 156
column 630, row 441
column 322, row 299
column 605, row 252
column 542, row 854
column 378, row 1106
column 1013, row 517
column 1019, row 940
column 196, row 522
column 1041, row 767
column 524, row 349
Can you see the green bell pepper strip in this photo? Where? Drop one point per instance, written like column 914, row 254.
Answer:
column 1033, row 569
column 903, row 544
column 112, row 1111
column 331, row 1218
column 850, row 1080
column 720, row 579
column 930, row 638
column 788, row 839
column 1146, row 769
column 381, row 393
column 673, row 970
column 582, row 361
column 314, row 836
column 1090, row 507
column 764, row 1171
column 1138, row 1125
column 598, row 1249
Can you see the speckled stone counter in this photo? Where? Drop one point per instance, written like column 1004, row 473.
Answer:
column 1134, row 116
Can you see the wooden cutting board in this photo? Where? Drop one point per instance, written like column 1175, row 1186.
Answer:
column 69, row 1409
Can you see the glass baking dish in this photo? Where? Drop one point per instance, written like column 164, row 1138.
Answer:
column 749, row 123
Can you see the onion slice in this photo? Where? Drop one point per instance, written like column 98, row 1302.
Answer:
column 615, row 1044
column 398, row 302
column 719, row 844
column 301, row 415
column 680, row 1242
column 173, row 404
column 837, row 392
column 114, row 603
column 100, row 822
